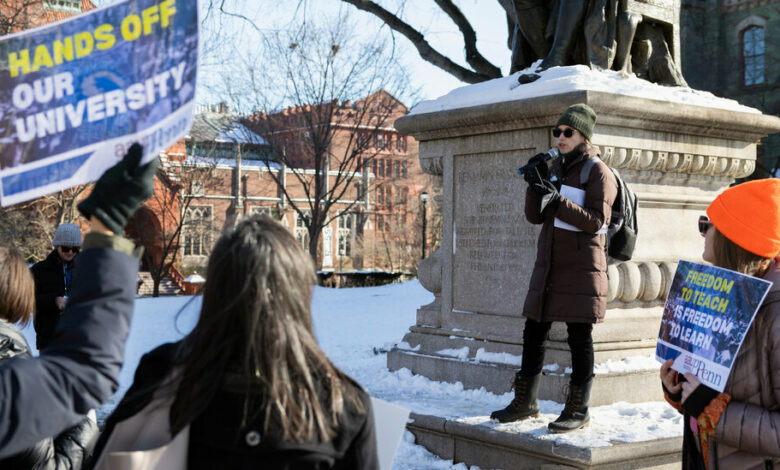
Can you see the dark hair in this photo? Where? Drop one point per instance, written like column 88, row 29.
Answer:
column 17, row 288
column 255, row 323
column 729, row 255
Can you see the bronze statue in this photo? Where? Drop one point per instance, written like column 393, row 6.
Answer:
column 639, row 36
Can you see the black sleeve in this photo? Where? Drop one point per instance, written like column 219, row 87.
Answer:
column 362, row 452
column 78, row 371
column 698, row 400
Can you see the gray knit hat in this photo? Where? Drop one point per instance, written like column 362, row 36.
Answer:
column 581, row 117
column 67, row 235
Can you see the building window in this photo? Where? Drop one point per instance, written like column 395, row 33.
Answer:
column 345, row 234
column 345, row 243
column 383, row 195
column 380, row 142
column 196, row 232
column 197, row 187
column 382, row 223
column 401, row 195
column 300, row 222
column 401, row 143
column 753, row 55
column 345, row 221
column 70, row 6
column 302, row 235
column 257, row 210
column 404, row 171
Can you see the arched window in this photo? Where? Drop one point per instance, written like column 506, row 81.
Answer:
column 753, row 55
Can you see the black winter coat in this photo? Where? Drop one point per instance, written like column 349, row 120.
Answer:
column 71, row 448
column 218, row 441
column 78, row 371
column 49, row 284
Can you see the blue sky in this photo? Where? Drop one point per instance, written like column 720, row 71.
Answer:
column 486, row 16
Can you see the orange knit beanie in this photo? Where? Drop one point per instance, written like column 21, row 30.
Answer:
column 748, row 214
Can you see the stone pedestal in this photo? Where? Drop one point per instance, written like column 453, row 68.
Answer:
column 675, row 157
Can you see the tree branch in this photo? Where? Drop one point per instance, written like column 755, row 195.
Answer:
column 428, row 53
column 473, row 57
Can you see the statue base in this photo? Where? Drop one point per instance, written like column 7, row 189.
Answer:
column 474, row 444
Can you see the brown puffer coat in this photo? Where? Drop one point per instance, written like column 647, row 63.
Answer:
column 569, row 280
column 748, row 432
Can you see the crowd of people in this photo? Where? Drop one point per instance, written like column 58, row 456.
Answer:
column 250, row 385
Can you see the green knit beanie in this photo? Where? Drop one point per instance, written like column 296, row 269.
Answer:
column 581, row 117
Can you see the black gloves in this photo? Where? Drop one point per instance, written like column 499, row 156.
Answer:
column 120, row 190
column 539, row 172
column 550, row 195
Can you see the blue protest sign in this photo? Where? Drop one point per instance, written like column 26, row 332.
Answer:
column 74, row 95
column 708, row 312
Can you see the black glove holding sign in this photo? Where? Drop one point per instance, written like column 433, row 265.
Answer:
column 120, row 190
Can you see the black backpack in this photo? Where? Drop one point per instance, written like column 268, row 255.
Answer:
column 623, row 229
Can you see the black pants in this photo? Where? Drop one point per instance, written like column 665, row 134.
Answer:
column 580, row 342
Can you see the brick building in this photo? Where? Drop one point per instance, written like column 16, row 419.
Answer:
column 225, row 170
column 18, row 15
column 731, row 48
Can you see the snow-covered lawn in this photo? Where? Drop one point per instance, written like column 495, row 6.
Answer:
column 356, row 327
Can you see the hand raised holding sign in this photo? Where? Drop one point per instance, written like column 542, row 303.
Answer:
column 121, row 190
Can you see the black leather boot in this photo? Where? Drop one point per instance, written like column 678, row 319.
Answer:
column 575, row 414
column 524, row 405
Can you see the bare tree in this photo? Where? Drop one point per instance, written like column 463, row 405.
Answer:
column 322, row 106
column 18, row 15
column 160, row 224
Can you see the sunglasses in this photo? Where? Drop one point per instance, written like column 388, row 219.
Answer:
column 704, row 225
column 558, row 131
column 68, row 249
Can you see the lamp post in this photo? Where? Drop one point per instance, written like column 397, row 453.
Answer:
column 424, row 200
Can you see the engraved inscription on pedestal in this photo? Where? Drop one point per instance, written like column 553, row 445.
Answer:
column 494, row 247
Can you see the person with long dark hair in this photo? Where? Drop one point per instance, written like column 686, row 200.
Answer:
column 739, row 428
column 250, row 380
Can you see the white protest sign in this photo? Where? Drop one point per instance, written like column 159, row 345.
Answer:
column 390, row 423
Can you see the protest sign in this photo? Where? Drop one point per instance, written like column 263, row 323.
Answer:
column 75, row 94
column 390, row 424
column 708, row 312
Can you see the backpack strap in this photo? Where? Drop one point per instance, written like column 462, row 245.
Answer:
column 586, row 168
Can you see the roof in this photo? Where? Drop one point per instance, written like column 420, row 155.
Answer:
column 199, row 160
column 220, row 127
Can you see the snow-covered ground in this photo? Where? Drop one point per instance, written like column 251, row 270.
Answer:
column 357, row 326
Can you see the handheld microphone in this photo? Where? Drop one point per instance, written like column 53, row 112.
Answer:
column 545, row 157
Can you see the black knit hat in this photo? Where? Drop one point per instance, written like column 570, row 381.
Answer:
column 581, row 117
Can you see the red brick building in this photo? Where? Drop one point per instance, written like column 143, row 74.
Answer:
column 225, row 170
column 18, row 15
